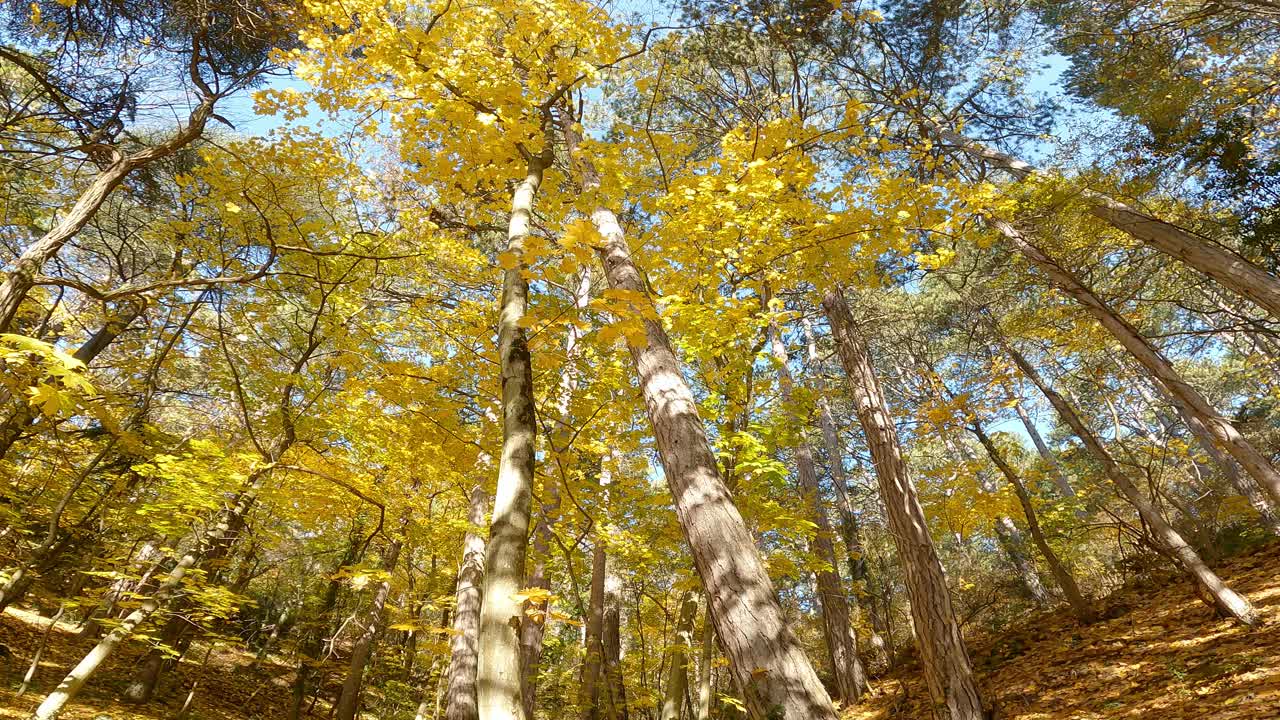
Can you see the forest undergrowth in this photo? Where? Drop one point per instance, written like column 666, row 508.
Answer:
column 1158, row 653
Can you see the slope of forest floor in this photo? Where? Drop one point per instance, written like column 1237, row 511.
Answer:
column 1162, row 653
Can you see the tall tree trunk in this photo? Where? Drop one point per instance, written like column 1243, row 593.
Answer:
column 1056, row 473
column 19, row 280
column 678, row 674
column 533, row 624
column 854, row 549
column 371, row 629
column 833, row 606
column 1194, row 407
column 704, row 667
column 764, row 655
column 1066, row 581
column 499, row 695
column 943, row 655
column 615, row 689
column 56, row 701
column 1226, row 599
column 589, row 682
column 463, row 655
column 1230, row 269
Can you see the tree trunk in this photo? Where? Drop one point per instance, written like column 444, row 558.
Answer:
column 854, row 549
column 1015, row 547
column 499, row 695
column 1066, row 582
column 24, row 416
column 833, row 606
column 678, row 675
column 533, row 624
column 1224, row 265
column 463, row 655
column 764, row 655
column 1190, row 403
column 943, row 655
column 704, row 667
column 1230, row 470
column 349, row 700
column 589, row 683
column 19, row 280
column 1056, row 472
column 1226, row 599
column 615, row 689
column 35, row 659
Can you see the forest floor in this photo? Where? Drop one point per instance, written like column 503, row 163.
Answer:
column 1161, row 654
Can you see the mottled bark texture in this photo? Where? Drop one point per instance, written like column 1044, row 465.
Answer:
column 498, row 692
column 944, row 658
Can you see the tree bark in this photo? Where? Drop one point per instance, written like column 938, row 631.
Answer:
column 19, row 280
column 1190, row 403
column 1066, row 581
column 499, row 695
column 1056, row 472
column 463, row 655
column 944, row 658
column 1224, row 265
column 855, row 551
column 678, row 675
column 615, row 689
column 533, row 624
column 764, row 655
column 371, row 629
column 589, row 683
column 704, row 667
column 1226, row 599
column 833, row 605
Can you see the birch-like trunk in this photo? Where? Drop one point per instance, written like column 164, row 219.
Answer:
column 1230, row 269
column 1190, row 403
column 499, row 695
column 1056, row 473
column 833, row 606
column 1066, row 581
column 1227, row 600
column 463, row 655
column 944, row 658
